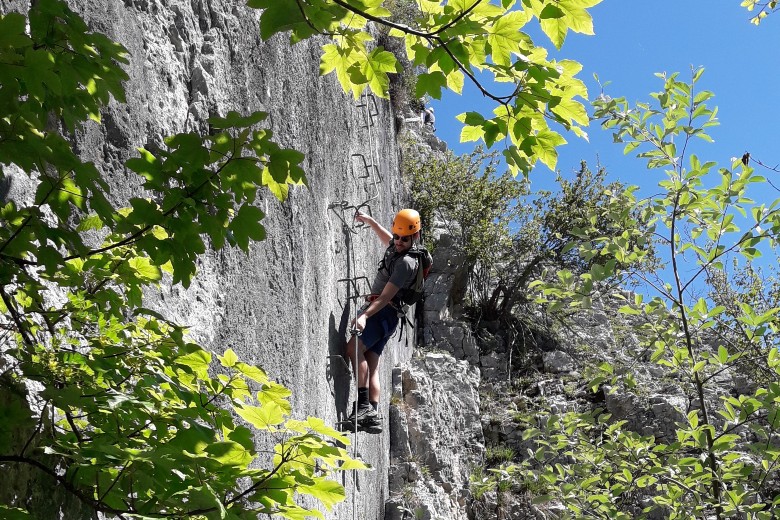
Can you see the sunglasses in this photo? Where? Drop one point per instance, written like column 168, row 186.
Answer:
column 402, row 239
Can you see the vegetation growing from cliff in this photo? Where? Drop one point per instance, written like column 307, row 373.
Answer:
column 722, row 459
column 131, row 417
column 476, row 205
column 509, row 234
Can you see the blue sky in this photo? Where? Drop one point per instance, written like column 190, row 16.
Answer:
column 634, row 40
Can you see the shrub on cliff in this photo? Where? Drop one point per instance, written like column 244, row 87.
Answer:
column 509, row 235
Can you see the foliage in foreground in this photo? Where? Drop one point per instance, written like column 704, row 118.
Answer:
column 722, row 459
column 134, row 419
column 762, row 8
column 455, row 42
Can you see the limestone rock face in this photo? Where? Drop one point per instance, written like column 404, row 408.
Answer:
column 446, row 283
column 558, row 361
column 436, row 438
column 283, row 306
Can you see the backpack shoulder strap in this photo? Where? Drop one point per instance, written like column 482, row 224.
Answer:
column 383, row 264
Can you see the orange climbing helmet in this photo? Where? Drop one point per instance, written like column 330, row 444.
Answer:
column 406, row 222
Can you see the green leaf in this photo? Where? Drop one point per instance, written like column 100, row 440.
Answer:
column 276, row 394
column 246, row 226
column 229, row 359
column 230, row 453
column 573, row 16
column 471, row 133
column 340, row 60
column 504, row 36
column 198, row 361
column 277, row 16
column 204, row 497
column 143, row 268
column 279, row 189
column 326, row 491
column 89, row 223
column 430, row 84
column 551, row 11
column 545, row 147
column 235, row 120
column 282, row 165
column 375, row 70
column 252, row 372
column 262, row 417
column 572, row 112
column 12, row 32
column 149, row 167
column 693, row 418
column 455, row 81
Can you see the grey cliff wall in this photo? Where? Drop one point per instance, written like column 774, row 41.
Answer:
column 282, row 305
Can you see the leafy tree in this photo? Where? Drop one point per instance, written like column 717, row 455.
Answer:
column 509, row 234
column 755, row 287
column 722, row 460
column 136, row 420
column 475, row 204
column 553, row 227
column 456, row 41
column 402, row 86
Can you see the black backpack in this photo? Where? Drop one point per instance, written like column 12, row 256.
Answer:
column 414, row 293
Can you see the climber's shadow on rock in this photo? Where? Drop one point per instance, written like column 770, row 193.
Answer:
column 338, row 369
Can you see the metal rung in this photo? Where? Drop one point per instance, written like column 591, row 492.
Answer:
column 369, row 105
column 366, row 166
column 345, row 206
column 370, row 171
column 354, row 286
column 354, row 290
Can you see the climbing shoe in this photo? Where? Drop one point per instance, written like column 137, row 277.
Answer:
column 372, row 423
column 368, row 420
column 364, row 413
column 373, row 429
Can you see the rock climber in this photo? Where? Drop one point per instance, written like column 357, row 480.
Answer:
column 429, row 119
column 378, row 318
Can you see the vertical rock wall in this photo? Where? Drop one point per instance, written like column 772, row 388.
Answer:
column 282, row 306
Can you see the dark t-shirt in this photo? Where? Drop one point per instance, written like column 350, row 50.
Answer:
column 400, row 269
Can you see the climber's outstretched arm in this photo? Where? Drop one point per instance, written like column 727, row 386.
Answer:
column 384, row 235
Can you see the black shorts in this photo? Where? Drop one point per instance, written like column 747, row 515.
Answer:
column 379, row 328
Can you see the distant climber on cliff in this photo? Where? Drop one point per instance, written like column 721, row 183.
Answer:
column 398, row 282
column 429, row 120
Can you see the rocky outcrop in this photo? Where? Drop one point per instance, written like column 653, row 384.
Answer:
column 436, row 438
column 445, row 288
